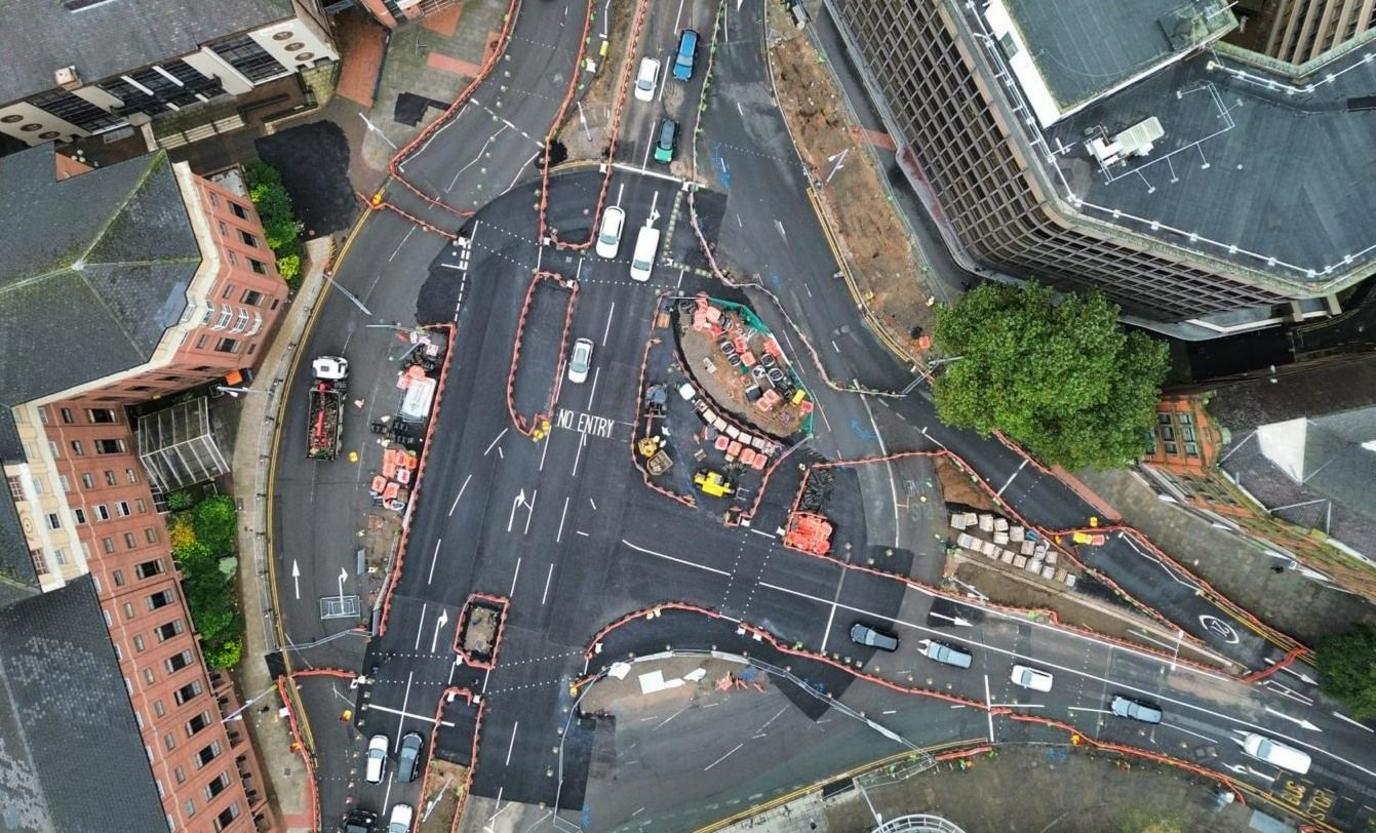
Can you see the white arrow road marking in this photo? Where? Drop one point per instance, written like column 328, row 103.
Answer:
column 1344, row 718
column 1297, row 721
column 954, row 620
column 439, row 625
column 296, row 577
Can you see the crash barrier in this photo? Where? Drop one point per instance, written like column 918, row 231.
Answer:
column 490, row 60
column 307, row 758
column 686, row 500
column 504, row 606
column 623, row 87
column 379, row 204
column 462, row 803
column 395, row 576
column 336, row 673
column 525, row 426
column 1285, row 662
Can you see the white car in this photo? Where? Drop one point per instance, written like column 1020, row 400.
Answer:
column 609, row 234
column 400, row 820
column 1275, row 752
column 376, row 763
column 1033, row 678
column 647, row 79
column 580, row 361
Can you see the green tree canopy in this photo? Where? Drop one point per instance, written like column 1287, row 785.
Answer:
column 217, row 524
column 280, row 226
column 1347, row 669
column 1056, row 373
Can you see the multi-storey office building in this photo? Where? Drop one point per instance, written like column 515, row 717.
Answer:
column 1121, row 146
column 121, row 285
column 74, row 68
column 1301, row 30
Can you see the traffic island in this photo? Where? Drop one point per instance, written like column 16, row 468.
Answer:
column 537, row 361
column 479, row 633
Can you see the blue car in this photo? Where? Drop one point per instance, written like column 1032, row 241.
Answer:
column 687, row 54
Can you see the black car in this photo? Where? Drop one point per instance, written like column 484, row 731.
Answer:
column 360, row 821
column 408, row 759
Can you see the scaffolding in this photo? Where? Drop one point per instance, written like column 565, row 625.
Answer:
column 177, row 446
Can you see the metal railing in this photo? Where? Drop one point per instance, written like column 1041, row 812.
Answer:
column 919, row 823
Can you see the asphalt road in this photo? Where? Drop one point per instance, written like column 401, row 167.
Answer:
column 564, row 529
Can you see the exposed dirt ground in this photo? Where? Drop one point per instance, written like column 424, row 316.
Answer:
column 480, row 631
column 1045, row 790
column 726, row 384
column 883, row 263
column 447, row 781
column 586, row 135
column 957, row 488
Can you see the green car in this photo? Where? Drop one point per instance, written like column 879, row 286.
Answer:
column 668, row 141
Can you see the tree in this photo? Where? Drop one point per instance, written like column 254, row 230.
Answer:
column 1057, row 373
column 1347, row 669
column 281, row 229
column 216, row 522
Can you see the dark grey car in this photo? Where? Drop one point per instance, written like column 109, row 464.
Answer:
column 408, row 759
column 862, row 634
column 1135, row 709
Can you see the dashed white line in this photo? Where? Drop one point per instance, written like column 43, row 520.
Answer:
column 582, row 441
column 402, row 243
column 420, row 629
column 514, row 575
column 607, row 330
column 1344, row 718
column 592, row 394
column 455, row 504
column 1009, row 481
column 511, row 746
column 548, row 576
column 562, row 515
column 723, row 757
column 493, row 444
column 434, row 556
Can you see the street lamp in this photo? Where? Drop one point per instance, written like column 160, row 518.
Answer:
column 374, row 128
column 347, row 294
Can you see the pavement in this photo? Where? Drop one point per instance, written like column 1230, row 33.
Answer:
column 562, row 529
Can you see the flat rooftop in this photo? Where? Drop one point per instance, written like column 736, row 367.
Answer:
column 108, row 37
column 1256, row 169
column 1082, row 49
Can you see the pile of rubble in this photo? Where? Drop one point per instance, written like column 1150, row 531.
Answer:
column 1010, row 544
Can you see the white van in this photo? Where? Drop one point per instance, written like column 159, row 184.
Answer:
column 1275, row 752
column 646, row 247
column 609, row 234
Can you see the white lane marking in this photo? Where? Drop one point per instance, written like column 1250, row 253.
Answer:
column 594, row 504
column 474, row 160
column 427, row 718
column 1344, row 718
column 648, row 145
column 1087, row 709
column 724, row 757
column 768, row 535
column 672, row 716
column 582, row 441
column 888, row 466
column 592, row 394
column 1009, row 481
column 521, row 169
column 514, row 575
column 562, row 515
column 989, row 708
column 1079, row 673
column 548, row 576
column 495, row 441
column 1189, row 732
column 401, row 718
column 455, row 504
column 679, row 560
column 678, row 18
column 581, row 532
column 420, row 629
column 545, row 451
column 530, row 511
column 607, row 331
column 434, row 556
column 511, row 746
column 402, row 243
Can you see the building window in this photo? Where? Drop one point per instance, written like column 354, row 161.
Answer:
column 87, row 481
column 38, row 488
column 102, row 512
column 258, row 266
column 197, row 723
column 180, row 775
column 150, row 535
column 55, row 450
column 224, row 229
column 229, row 288
column 226, row 817
column 60, row 556
column 226, row 316
column 187, row 692
column 149, row 677
column 132, row 476
column 108, row 544
column 16, row 488
column 161, row 711
column 189, row 807
column 248, row 238
column 118, row 576
column 101, row 416
column 208, row 754
column 241, row 323
column 238, row 211
column 76, row 110
column 40, row 563
column 138, row 642
column 54, row 522
column 128, row 610
column 110, row 479
column 78, row 449
column 217, row 786
column 167, row 630
column 177, row 662
column 148, row 569
column 227, row 345
column 233, row 259
column 80, row 515
column 66, row 415
column 130, row 542
column 64, row 483
column 244, row 54
column 109, row 446
column 169, row 741
column 252, row 297
column 160, row 599
column 123, row 508
column 202, row 341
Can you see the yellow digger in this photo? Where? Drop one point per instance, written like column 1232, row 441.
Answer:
column 713, row 483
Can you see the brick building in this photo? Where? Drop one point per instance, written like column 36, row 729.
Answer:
column 1302, row 30
column 1205, row 189
column 122, row 285
column 1286, row 459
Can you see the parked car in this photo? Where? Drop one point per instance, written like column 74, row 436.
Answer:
column 360, row 821
column 580, row 361
column 862, row 634
column 1033, row 678
column 668, row 141
column 1135, row 709
column 643, row 260
column 1275, row 752
column 609, row 233
column 687, row 54
column 945, row 654
column 408, row 758
column 376, row 764
column 400, row 820
column 647, row 79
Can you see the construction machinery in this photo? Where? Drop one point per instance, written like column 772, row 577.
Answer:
column 657, row 459
column 808, row 532
column 325, row 420
column 713, row 483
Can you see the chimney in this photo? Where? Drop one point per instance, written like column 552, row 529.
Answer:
column 67, row 78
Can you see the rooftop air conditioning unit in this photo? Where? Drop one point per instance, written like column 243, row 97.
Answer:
column 67, row 78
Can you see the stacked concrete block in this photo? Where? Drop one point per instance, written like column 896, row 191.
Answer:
column 1016, row 534
column 1049, row 572
column 1000, row 524
column 1060, row 575
column 1034, row 566
column 986, row 522
column 1070, row 581
column 1050, row 556
column 1020, row 562
column 1000, row 537
column 958, row 520
column 1027, row 548
column 1008, row 557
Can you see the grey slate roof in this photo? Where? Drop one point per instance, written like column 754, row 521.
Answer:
column 1083, row 47
column 1322, row 475
column 110, row 38
column 95, row 269
column 71, row 757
